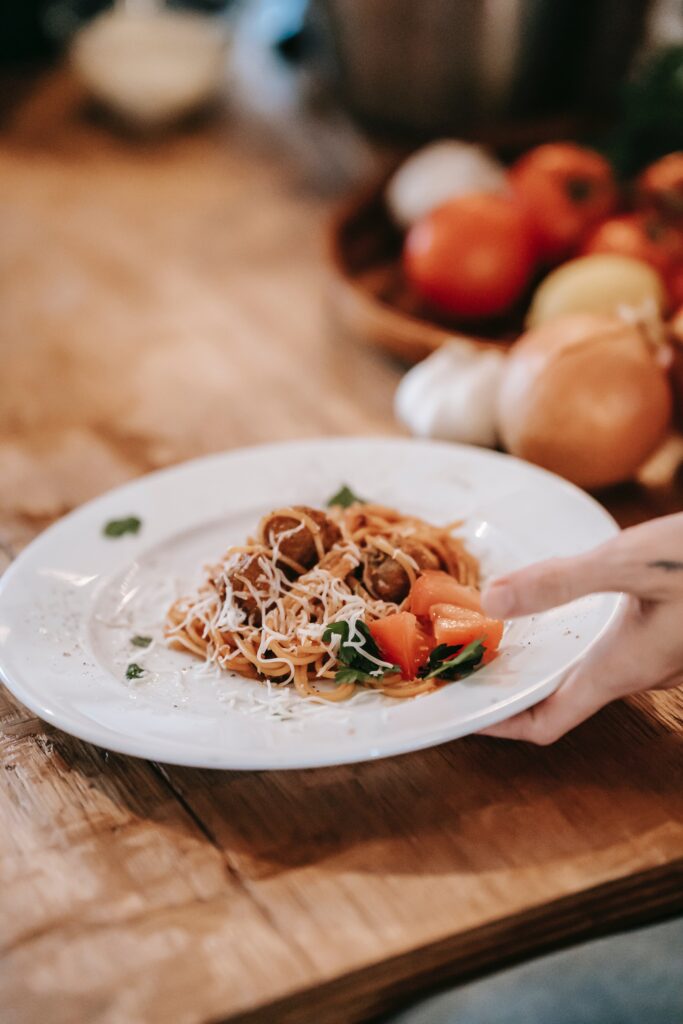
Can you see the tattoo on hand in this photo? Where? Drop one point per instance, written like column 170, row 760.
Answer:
column 666, row 565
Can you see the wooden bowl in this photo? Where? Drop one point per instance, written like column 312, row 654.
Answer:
column 372, row 302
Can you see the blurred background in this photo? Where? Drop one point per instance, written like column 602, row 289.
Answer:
column 401, row 69
column 177, row 274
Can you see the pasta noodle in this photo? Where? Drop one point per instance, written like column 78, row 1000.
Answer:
column 263, row 609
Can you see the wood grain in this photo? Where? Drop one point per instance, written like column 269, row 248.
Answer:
column 161, row 299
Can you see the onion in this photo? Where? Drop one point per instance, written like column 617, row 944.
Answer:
column 585, row 396
column 603, row 282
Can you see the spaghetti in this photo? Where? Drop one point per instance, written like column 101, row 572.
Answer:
column 265, row 609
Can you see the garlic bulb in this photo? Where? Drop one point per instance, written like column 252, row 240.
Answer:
column 438, row 172
column 452, row 395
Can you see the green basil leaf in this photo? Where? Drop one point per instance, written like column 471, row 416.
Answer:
column 347, row 653
column 344, row 498
column 440, row 654
column 462, row 664
column 336, row 629
column 355, row 675
column 351, row 675
column 370, row 645
column 141, row 641
column 117, row 527
column 134, row 671
column 353, row 657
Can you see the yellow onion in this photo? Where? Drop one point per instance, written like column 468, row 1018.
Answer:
column 601, row 283
column 585, row 396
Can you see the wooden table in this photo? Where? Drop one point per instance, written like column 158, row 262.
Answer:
column 164, row 299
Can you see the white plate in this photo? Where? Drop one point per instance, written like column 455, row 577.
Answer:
column 71, row 602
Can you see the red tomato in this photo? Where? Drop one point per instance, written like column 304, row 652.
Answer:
column 453, row 625
column 660, row 187
column 642, row 236
column 402, row 641
column 566, row 190
column 472, row 257
column 436, row 587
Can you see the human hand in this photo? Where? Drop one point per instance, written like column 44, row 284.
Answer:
column 642, row 651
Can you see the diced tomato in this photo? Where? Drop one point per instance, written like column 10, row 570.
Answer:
column 436, row 587
column 402, row 641
column 453, row 625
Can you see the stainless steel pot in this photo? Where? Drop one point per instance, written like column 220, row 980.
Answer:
column 434, row 65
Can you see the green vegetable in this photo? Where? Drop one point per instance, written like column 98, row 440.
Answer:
column 141, row 641
column 345, row 497
column 447, row 662
column 356, row 667
column 354, row 675
column 649, row 123
column 117, row 527
column 134, row 671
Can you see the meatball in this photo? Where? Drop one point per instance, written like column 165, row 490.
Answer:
column 300, row 546
column 246, row 576
column 387, row 579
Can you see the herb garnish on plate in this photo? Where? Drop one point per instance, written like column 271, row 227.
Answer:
column 118, row 527
column 449, row 662
column 357, row 668
column 141, row 641
column 344, row 498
